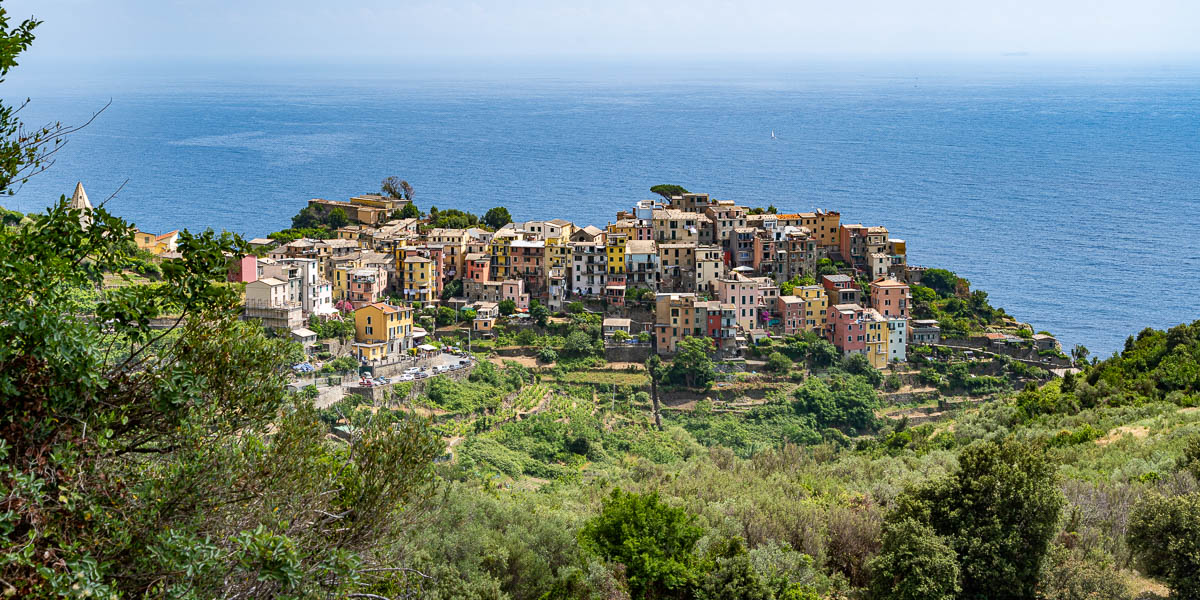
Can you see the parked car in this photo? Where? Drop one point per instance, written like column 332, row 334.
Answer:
column 406, row 377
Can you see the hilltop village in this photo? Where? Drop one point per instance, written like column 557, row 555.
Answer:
column 684, row 265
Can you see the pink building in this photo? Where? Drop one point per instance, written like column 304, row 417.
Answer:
column 743, row 293
column 478, row 267
column 791, row 313
column 365, row 286
column 514, row 289
column 243, row 269
column 847, row 330
column 890, row 298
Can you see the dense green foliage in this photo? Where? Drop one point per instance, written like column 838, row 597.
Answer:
column 655, row 542
column 496, row 217
column 320, row 216
column 914, row 563
column 133, row 456
column 1165, row 534
column 668, row 190
column 997, row 512
column 1160, row 365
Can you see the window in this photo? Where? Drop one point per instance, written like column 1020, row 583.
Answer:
column 369, row 331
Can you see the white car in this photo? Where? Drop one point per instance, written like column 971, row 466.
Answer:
column 406, row 377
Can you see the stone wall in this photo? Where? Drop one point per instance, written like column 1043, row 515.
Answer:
column 377, row 393
column 634, row 353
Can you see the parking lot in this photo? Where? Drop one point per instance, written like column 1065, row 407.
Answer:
column 444, row 362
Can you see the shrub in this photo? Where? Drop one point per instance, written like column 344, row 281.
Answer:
column 998, row 512
column 778, row 363
column 547, row 355
column 914, row 563
column 1164, row 533
column 654, row 541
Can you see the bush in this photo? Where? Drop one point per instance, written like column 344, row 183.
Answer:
column 778, row 363
column 547, row 355
column 344, row 363
column 998, row 512
column 1075, row 575
column 915, row 563
column 654, row 541
column 1164, row 533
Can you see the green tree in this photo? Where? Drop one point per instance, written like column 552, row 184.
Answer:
column 845, row 402
column 914, row 563
column 408, row 211
column 445, row 316
column 654, row 541
column 944, row 282
column 497, row 217
column 667, row 191
column 540, row 315
column 826, row 267
column 452, row 289
column 547, row 355
column 337, row 218
column 732, row 576
column 578, row 344
column 183, row 452
column 777, row 362
column 998, row 511
column 1164, row 534
column 923, row 295
column 507, row 307
column 24, row 151
column 692, row 365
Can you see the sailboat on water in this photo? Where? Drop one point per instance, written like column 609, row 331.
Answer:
column 773, row 135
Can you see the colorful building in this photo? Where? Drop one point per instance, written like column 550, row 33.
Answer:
column 382, row 332
column 890, row 298
column 418, row 280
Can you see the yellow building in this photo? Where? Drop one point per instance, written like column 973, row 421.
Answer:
column 155, row 244
column 823, row 224
column 417, row 284
column 627, row 227
column 615, row 250
column 876, row 338
column 501, row 251
column 816, row 305
column 558, row 253
column 382, row 331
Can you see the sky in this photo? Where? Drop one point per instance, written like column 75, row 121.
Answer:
column 80, row 31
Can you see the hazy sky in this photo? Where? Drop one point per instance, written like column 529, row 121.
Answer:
column 400, row 30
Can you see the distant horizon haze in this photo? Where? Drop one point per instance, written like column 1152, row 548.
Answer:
column 405, row 31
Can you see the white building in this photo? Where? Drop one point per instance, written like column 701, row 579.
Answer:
column 589, row 263
column 897, row 340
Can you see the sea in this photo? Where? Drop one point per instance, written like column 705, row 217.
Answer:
column 1069, row 192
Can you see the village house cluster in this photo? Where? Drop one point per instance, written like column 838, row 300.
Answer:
column 688, row 265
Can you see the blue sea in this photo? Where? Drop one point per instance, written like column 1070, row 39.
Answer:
column 1070, row 193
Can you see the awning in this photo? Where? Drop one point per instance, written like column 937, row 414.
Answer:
column 426, row 348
